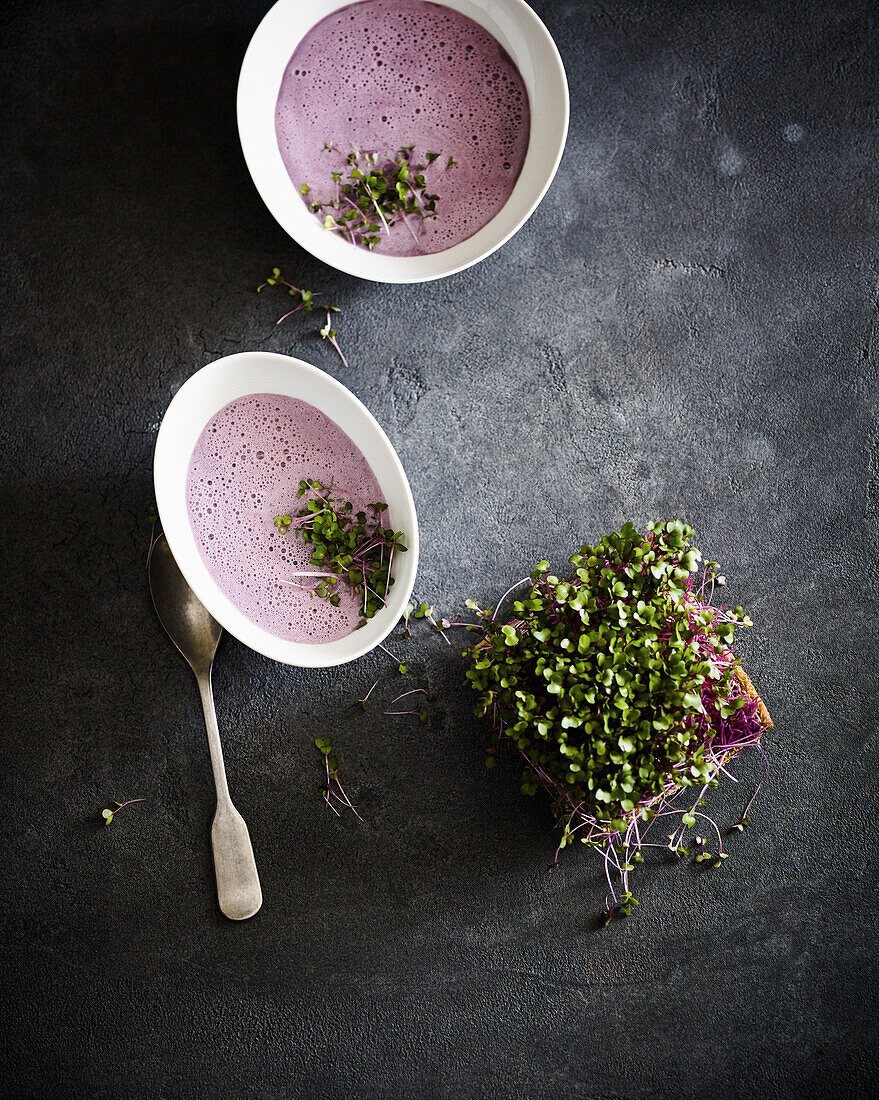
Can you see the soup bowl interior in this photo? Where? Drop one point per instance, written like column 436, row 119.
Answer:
column 521, row 33
column 199, row 399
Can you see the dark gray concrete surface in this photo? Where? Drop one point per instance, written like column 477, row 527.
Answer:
column 687, row 327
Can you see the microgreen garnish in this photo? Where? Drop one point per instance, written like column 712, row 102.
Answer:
column 306, row 301
column 425, row 612
column 378, row 191
column 438, row 625
column 421, row 713
column 348, row 547
column 333, row 791
column 620, row 689
column 402, row 667
column 108, row 815
column 362, row 702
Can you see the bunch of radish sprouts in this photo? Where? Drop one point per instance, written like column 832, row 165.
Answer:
column 620, row 689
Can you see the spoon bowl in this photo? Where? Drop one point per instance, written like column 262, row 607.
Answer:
column 189, row 624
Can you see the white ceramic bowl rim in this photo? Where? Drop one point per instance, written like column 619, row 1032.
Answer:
column 521, row 33
column 198, row 399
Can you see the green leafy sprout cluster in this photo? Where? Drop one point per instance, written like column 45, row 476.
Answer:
column 379, row 190
column 347, row 547
column 620, row 689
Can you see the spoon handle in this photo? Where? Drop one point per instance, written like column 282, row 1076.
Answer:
column 238, row 889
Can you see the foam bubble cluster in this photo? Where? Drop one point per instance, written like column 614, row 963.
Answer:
column 381, row 75
column 245, row 470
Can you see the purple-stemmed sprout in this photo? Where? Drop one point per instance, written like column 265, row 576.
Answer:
column 306, row 302
column 401, row 665
column 743, row 820
column 362, row 702
column 512, row 588
column 329, row 333
column 420, row 714
column 108, row 814
column 333, row 792
column 423, row 611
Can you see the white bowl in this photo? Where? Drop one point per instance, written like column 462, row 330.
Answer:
column 526, row 40
column 203, row 395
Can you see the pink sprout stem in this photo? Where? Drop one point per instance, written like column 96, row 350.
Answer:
column 347, row 801
column 371, row 690
column 288, row 314
column 414, row 691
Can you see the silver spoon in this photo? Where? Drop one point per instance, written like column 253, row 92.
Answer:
column 196, row 634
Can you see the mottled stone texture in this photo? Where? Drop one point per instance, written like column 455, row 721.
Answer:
column 687, row 327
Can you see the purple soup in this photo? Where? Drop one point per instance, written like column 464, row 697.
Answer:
column 382, row 75
column 245, row 470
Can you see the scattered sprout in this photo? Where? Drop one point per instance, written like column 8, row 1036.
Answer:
column 421, row 714
column 108, row 815
column 305, row 298
column 362, row 702
column 333, row 792
column 425, row 612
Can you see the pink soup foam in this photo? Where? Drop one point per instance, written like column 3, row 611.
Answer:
column 245, row 470
column 384, row 74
